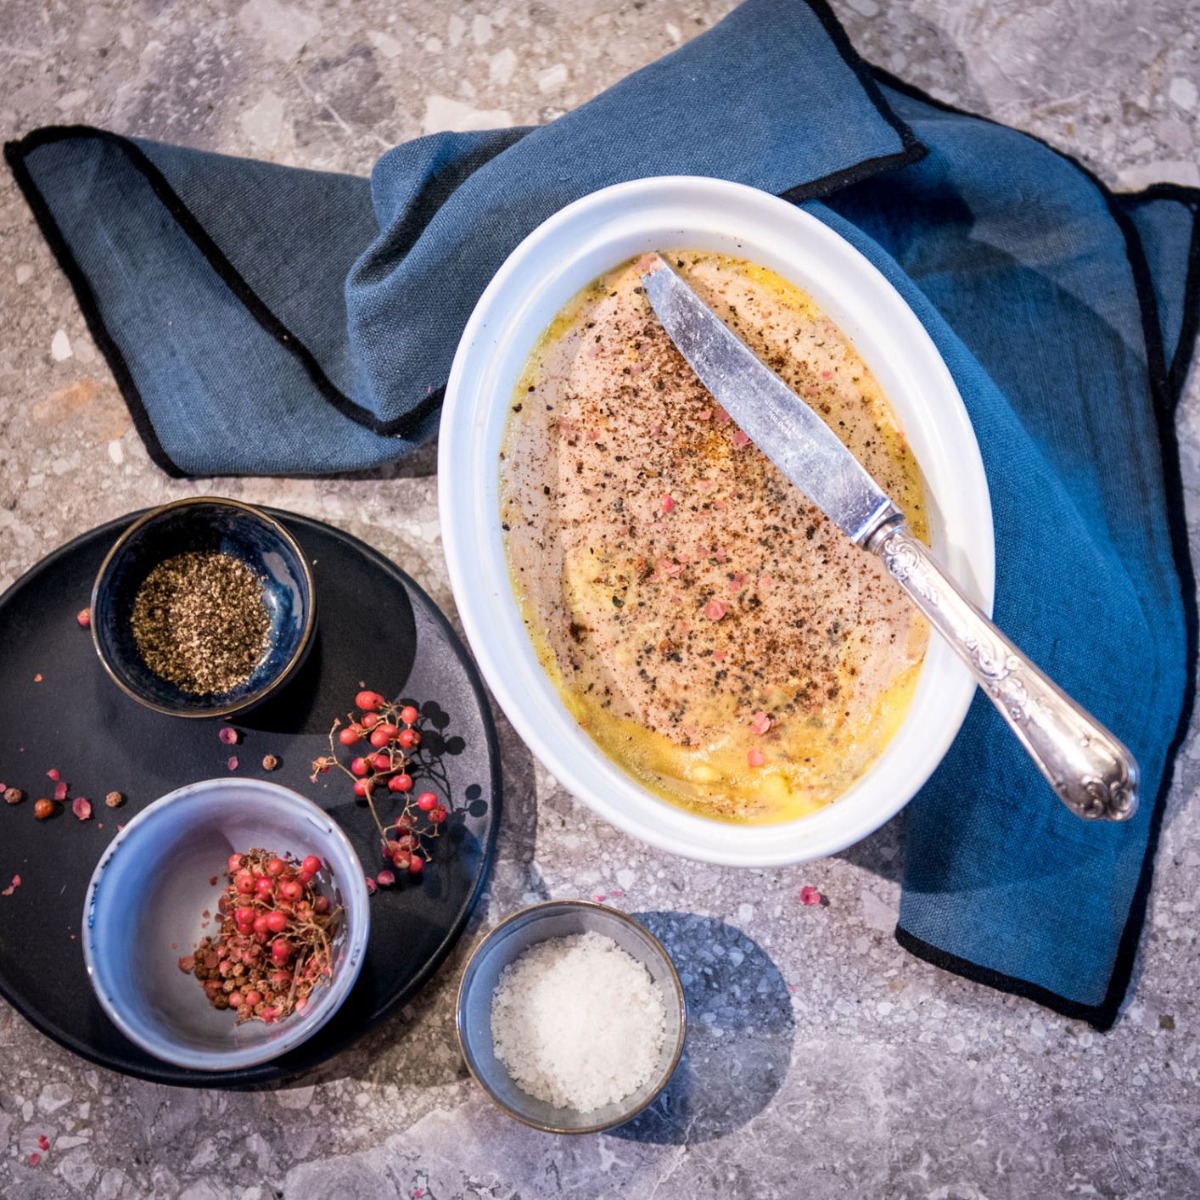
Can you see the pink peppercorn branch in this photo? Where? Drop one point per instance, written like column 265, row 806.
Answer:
column 387, row 764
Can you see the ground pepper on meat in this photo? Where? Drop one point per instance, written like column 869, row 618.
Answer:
column 672, row 579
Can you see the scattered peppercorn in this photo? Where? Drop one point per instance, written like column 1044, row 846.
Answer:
column 114, row 799
column 44, row 808
column 270, row 762
column 84, row 617
column 13, row 795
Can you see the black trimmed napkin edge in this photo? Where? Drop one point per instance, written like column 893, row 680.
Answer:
column 1166, row 385
column 406, row 425
column 1189, row 197
column 16, row 153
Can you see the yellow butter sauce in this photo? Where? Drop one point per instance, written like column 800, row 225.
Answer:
column 707, row 626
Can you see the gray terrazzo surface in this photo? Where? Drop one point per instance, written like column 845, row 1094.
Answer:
column 824, row 1061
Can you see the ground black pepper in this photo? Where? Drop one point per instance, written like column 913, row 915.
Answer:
column 200, row 621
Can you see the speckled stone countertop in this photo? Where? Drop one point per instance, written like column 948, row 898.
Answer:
column 823, row 1060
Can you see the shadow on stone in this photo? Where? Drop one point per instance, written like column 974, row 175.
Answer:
column 420, row 463
column 739, row 1039
column 881, row 853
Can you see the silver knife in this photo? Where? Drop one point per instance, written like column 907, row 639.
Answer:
column 1089, row 769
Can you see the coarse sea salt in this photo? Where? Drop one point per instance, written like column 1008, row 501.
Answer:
column 578, row 1022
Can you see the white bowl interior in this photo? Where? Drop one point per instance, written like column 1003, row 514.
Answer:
column 559, row 258
column 145, row 905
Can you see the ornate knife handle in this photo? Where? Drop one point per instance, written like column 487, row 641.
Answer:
column 1093, row 774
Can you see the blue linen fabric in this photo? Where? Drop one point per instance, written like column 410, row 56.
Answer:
column 266, row 320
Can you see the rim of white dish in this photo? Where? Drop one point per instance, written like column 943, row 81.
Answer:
column 561, row 256
column 291, row 1034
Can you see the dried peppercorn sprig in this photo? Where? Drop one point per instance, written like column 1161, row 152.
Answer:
column 394, row 733
column 274, row 943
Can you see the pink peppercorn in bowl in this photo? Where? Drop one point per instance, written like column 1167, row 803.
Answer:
column 153, row 897
column 559, row 259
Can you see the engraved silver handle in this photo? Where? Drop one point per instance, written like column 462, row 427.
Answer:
column 1093, row 774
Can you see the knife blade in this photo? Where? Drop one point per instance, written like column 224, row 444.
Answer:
column 778, row 421
column 1089, row 769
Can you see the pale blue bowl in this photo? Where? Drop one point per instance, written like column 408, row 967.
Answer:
column 144, row 908
column 204, row 523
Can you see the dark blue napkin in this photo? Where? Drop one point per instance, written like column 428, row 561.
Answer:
column 263, row 320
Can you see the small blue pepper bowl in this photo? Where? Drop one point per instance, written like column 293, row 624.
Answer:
column 204, row 524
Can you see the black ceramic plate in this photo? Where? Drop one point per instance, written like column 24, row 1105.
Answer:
column 374, row 627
